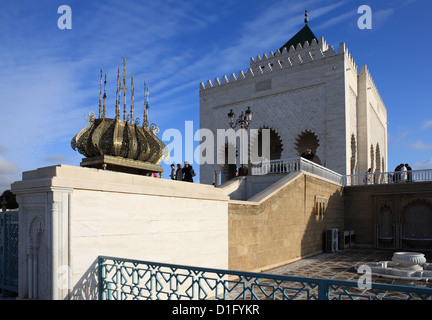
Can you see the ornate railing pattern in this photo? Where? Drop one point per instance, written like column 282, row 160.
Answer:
column 126, row 279
column 294, row 164
column 388, row 177
column 300, row 164
column 9, row 250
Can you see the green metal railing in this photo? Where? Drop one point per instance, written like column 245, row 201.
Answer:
column 126, row 279
column 9, row 250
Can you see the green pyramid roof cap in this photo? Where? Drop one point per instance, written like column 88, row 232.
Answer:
column 305, row 34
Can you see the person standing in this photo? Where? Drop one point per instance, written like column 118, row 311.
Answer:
column 404, row 175
column 368, row 179
column 173, row 172
column 179, row 172
column 397, row 174
column 308, row 154
column 409, row 169
column 188, row 172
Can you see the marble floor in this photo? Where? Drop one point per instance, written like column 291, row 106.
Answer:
column 342, row 265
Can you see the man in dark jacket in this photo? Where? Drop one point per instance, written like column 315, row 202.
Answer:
column 188, row 172
column 179, row 172
column 308, row 154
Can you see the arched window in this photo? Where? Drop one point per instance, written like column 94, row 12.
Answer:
column 256, row 147
column 308, row 140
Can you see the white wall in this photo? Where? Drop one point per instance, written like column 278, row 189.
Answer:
column 322, row 91
column 83, row 213
column 306, row 93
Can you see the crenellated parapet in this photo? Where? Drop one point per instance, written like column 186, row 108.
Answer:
column 344, row 50
column 371, row 84
column 282, row 60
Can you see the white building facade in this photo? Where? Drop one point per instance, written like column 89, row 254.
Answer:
column 311, row 96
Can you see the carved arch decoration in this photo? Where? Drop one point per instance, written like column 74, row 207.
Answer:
column 228, row 166
column 386, row 221
column 307, row 139
column 353, row 154
column 377, row 158
column 35, row 257
column 276, row 145
column 416, row 217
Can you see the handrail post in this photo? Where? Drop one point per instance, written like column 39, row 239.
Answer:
column 323, row 290
column 100, row 279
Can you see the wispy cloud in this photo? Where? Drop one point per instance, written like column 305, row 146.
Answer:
column 381, row 16
column 8, row 173
column 426, row 124
column 420, row 145
column 7, row 167
column 422, row 165
column 57, row 158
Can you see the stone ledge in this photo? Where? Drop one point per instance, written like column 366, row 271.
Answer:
column 71, row 177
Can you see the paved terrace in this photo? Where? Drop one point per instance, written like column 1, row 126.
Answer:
column 342, row 265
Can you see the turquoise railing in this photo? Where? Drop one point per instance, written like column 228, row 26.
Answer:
column 9, row 251
column 126, row 279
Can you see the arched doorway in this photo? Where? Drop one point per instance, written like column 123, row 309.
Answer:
column 308, row 140
column 275, row 147
column 229, row 167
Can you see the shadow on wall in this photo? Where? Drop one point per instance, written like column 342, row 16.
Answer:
column 288, row 225
column 87, row 287
column 323, row 209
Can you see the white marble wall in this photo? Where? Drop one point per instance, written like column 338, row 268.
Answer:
column 310, row 88
column 71, row 215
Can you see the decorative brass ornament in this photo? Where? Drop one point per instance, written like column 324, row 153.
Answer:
column 121, row 145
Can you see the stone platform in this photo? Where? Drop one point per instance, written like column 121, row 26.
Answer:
column 342, row 265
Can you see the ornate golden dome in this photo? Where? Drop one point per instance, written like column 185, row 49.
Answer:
column 121, row 145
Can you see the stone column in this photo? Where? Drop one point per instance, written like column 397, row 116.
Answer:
column 43, row 243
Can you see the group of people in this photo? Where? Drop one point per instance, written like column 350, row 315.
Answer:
column 402, row 173
column 183, row 174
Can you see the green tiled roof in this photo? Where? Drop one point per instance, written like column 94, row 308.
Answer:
column 305, row 34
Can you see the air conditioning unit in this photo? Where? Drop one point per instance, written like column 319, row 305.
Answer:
column 331, row 240
column 344, row 239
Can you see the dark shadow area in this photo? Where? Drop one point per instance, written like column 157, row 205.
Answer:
column 87, row 287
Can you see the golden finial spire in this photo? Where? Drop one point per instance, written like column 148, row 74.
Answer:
column 100, row 96
column 118, row 96
column 124, row 89
column 306, row 20
column 132, row 99
column 104, row 96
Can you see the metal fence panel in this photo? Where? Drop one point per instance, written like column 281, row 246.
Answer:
column 9, row 251
column 125, row 279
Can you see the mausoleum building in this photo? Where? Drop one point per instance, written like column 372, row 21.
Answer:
column 310, row 95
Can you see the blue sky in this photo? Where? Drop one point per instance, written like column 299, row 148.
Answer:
column 49, row 78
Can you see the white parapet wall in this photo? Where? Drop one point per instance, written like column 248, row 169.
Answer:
column 71, row 215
